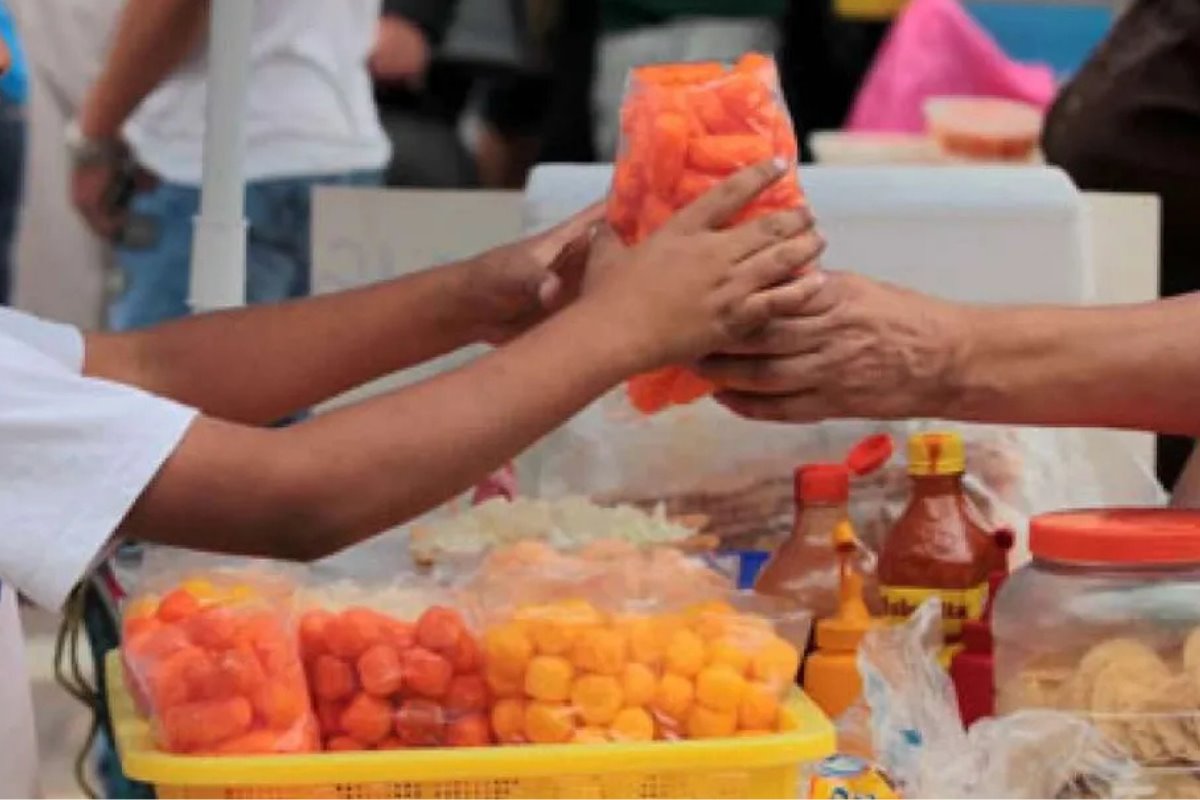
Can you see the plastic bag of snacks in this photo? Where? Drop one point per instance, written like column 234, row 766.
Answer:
column 212, row 658
column 384, row 675
column 919, row 741
column 684, row 128
column 588, row 652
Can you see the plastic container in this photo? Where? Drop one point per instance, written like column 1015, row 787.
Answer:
column 759, row 767
column 984, row 128
column 1105, row 622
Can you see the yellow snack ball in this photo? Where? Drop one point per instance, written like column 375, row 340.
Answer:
column 646, row 642
column 685, row 653
column 503, row 685
column 705, row 723
column 599, row 650
column 590, row 735
column 549, row 678
column 712, row 619
column 508, row 650
column 729, row 653
column 775, row 663
column 240, row 593
column 548, row 723
column 788, row 721
column 632, row 725
column 200, row 588
column 638, row 684
column 508, row 721
column 597, row 698
column 674, row 696
column 554, row 628
column 720, row 688
column 759, row 709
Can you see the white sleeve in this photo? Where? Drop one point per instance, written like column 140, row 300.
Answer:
column 63, row 343
column 75, row 453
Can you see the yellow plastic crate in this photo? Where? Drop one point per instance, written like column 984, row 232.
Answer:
column 760, row 767
column 870, row 10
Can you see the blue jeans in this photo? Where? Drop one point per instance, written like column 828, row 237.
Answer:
column 157, row 276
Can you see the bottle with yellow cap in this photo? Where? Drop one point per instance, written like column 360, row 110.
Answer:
column 940, row 545
column 831, row 675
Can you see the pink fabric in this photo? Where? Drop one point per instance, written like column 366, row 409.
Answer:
column 502, row 483
column 936, row 48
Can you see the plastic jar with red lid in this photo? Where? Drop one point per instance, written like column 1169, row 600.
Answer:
column 1105, row 622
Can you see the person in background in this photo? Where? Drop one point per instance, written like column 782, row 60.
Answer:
column 14, row 91
column 310, row 121
column 635, row 32
column 1129, row 121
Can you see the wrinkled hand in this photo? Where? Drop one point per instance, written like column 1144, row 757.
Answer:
column 90, row 187
column 695, row 286
column 401, row 53
column 844, row 347
column 511, row 288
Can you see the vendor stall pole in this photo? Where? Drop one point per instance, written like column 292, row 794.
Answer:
column 219, row 241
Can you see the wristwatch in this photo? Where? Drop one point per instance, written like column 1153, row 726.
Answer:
column 87, row 152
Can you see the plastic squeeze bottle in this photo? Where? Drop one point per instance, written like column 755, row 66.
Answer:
column 805, row 567
column 831, row 676
column 939, row 547
column 973, row 670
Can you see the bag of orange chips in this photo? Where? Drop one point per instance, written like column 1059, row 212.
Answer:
column 684, row 128
column 214, row 662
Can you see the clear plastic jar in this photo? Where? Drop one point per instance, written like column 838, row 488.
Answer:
column 1105, row 621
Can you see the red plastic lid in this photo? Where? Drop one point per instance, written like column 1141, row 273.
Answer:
column 822, row 483
column 870, row 454
column 1132, row 536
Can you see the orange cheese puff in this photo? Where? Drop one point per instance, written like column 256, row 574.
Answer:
column 391, row 743
column 158, row 641
column 170, row 680
column 333, row 678
column 650, row 393
column 600, row 650
column 705, row 723
column 597, row 698
column 212, row 628
column 426, row 673
column 720, row 688
column 689, row 387
column 466, row 657
column 254, row 743
column 472, row 730
column 367, row 718
column 632, row 725
column 177, row 606
column 724, row 155
column 380, row 671
column 656, row 212
column 439, row 629
column 351, row 632
column 638, row 684
column 508, row 720
column 507, row 651
column 241, row 672
column 502, row 686
column 776, row 663
column 194, row 726
column 685, row 653
column 344, row 744
column 759, row 708
column 399, row 634
column 590, row 735
column 329, row 716
column 420, row 723
column 677, row 74
column 466, row 694
column 669, row 140
column 312, row 633
column 692, row 186
column 134, row 628
column 549, row 678
column 281, row 705
column 548, row 723
column 674, row 696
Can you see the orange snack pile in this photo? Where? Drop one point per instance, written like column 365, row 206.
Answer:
column 216, row 666
column 684, row 128
column 568, row 672
column 380, row 683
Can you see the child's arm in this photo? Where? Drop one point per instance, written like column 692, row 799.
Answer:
column 260, row 364
column 309, row 490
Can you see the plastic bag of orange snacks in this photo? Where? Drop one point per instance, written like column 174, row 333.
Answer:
column 214, row 662
column 379, row 682
column 685, row 127
column 599, row 666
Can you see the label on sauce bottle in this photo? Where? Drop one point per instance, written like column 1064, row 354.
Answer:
column 958, row 605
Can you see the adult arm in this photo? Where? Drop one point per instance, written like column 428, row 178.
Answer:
column 853, row 347
column 260, row 364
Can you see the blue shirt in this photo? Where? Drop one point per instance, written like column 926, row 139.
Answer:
column 14, row 86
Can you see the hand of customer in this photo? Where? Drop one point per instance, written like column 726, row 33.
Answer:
column 843, row 346
column 401, row 54
column 91, row 191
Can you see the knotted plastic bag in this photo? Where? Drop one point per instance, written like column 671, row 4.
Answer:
column 685, row 128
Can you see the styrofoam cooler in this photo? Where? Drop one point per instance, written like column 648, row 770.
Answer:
column 977, row 234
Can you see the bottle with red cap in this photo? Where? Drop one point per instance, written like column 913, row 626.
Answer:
column 973, row 669
column 806, row 567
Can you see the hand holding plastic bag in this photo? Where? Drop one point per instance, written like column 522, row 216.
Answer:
column 920, row 742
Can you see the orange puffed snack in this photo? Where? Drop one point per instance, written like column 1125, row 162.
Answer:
column 684, row 128
column 215, row 662
column 383, row 683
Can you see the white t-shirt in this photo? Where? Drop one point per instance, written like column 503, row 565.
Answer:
column 75, row 453
column 310, row 107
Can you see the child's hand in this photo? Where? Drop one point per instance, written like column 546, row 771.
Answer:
column 692, row 288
